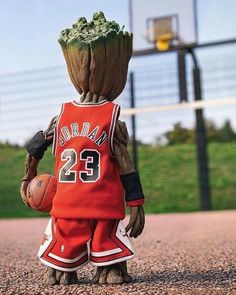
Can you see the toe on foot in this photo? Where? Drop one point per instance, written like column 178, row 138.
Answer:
column 115, row 276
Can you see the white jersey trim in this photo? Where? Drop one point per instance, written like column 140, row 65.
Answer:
column 114, row 118
column 112, row 261
column 49, row 234
column 106, row 253
column 89, row 104
column 68, row 260
column 62, row 268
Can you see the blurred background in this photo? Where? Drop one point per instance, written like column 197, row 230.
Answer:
column 186, row 154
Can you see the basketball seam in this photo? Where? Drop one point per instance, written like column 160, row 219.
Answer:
column 31, row 195
column 46, row 190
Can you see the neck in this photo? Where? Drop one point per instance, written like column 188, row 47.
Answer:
column 90, row 97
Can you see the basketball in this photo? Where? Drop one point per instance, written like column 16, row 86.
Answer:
column 41, row 191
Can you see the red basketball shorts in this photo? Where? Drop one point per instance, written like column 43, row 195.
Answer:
column 69, row 244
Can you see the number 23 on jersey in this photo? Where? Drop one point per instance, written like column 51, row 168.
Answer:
column 91, row 172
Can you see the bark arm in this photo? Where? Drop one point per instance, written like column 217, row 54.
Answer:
column 31, row 164
column 49, row 132
column 121, row 138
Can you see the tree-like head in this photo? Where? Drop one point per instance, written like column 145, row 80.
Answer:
column 97, row 54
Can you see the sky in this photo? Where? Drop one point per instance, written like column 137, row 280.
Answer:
column 29, row 29
column 216, row 19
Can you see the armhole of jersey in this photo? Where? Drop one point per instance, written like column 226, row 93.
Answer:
column 114, row 118
column 55, row 136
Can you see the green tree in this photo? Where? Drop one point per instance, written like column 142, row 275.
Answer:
column 226, row 132
column 211, row 131
column 179, row 134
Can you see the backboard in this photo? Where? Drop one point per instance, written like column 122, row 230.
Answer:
column 152, row 18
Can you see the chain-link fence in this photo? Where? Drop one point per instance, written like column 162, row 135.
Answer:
column 166, row 149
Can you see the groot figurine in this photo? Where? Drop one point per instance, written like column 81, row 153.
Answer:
column 95, row 175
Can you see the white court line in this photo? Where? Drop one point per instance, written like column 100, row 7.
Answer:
column 181, row 106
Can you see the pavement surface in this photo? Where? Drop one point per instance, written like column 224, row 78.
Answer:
column 191, row 253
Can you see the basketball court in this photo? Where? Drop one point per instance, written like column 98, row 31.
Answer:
column 192, row 253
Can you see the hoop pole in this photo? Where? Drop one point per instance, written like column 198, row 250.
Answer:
column 183, row 92
column 201, row 140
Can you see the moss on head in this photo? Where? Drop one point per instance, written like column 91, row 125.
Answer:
column 88, row 31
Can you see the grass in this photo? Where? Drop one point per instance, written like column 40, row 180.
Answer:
column 169, row 177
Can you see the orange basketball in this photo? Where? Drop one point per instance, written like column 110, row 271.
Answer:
column 41, row 191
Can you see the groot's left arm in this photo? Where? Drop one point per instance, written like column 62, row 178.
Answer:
column 36, row 148
column 134, row 195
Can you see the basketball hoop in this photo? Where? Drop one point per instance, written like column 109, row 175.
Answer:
column 162, row 31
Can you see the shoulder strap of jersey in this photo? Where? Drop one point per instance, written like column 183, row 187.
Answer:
column 55, row 136
column 114, row 118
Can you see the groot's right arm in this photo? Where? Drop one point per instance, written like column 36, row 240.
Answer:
column 133, row 189
column 36, row 148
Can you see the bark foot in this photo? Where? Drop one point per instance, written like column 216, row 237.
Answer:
column 112, row 274
column 54, row 277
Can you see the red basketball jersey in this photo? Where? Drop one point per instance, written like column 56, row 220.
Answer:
column 88, row 177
